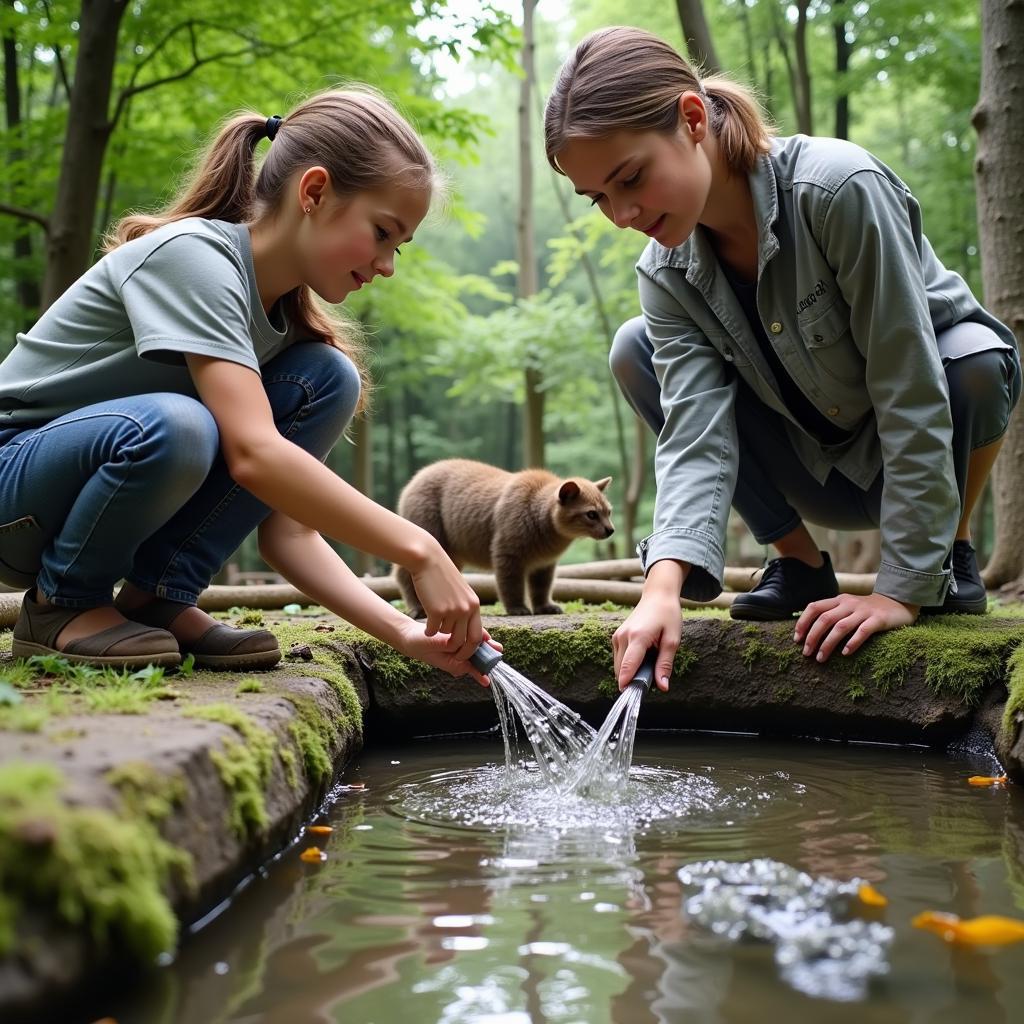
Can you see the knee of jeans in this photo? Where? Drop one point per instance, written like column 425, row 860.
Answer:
column 343, row 383
column 629, row 352
column 185, row 434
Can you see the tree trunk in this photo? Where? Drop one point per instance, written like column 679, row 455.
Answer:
column 533, row 414
column 804, row 111
column 697, row 35
column 842, row 70
column 998, row 119
column 70, row 241
column 26, row 289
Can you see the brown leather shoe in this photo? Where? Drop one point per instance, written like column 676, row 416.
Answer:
column 220, row 647
column 128, row 645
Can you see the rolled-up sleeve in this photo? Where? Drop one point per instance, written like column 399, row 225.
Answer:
column 871, row 236
column 697, row 457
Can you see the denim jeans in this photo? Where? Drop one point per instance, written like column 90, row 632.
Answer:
column 136, row 488
column 775, row 492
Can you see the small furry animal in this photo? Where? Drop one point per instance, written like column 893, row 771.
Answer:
column 518, row 524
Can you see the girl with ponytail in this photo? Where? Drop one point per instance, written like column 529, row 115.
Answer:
column 187, row 388
column 802, row 354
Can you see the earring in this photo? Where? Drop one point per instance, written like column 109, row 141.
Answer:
column 308, row 209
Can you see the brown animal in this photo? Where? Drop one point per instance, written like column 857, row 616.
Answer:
column 518, row 524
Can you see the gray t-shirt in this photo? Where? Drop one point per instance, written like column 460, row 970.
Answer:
column 124, row 326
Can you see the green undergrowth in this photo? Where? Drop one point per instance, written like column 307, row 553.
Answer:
column 93, row 869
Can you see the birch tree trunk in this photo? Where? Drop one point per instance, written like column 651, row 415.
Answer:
column 998, row 119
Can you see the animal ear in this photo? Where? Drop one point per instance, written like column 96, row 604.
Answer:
column 569, row 490
column 602, row 484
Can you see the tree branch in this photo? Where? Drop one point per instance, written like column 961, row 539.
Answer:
column 58, row 56
column 22, row 214
column 252, row 46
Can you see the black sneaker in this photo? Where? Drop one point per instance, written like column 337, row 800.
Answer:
column 785, row 589
column 970, row 597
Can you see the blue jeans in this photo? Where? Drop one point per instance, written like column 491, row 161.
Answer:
column 136, row 488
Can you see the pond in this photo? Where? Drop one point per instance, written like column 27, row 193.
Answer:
column 432, row 906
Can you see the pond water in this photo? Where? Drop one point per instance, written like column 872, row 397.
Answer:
column 451, row 893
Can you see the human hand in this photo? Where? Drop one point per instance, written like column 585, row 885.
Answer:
column 655, row 622
column 415, row 643
column 824, row 625
column 451, row 605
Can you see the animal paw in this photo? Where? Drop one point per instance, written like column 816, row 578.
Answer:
column 548, row 609
column 518, row 609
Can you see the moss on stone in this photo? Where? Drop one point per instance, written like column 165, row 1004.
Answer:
column 773, row 655
column 89, row 867
column 961, row 657
column 250, row 685
column 314, row 734
column 560, row 653
column 146, row 792
column 329, row 664
column 244, row 768
column 1015, row 688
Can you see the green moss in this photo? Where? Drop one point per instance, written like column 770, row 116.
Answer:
column 251, row 617
column 244, row 768
column 328, row 664
column 784, row 694
column 773, row 655
column 289, row 764
column 251, row 685
column 1015, row 687
column 961, row 657
column 87, row 866
column 559, row 653
column 146, row 792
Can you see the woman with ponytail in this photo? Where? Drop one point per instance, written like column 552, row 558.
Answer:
column 802, row 354
column 186, row 390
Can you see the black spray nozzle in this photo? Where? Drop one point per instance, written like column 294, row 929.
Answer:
column 484, row 658
column 645, row 673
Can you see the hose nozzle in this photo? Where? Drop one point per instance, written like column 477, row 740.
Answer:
column 645, row 673
column 484, row 658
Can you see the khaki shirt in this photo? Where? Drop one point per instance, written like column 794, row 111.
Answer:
column 852, row 296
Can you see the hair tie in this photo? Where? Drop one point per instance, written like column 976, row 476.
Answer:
column 272, row 125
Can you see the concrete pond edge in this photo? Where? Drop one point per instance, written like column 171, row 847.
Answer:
column 123, row 824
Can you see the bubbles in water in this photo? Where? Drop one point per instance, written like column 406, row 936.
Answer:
column 819, row 949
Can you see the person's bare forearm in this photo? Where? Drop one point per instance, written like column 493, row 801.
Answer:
column 293, row 482
column 311, row 565
column 666, row 576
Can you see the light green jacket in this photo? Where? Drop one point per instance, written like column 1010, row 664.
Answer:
column 852, row 295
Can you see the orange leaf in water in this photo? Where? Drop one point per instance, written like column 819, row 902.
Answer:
column 871, row 896
column 987, row 780
column 990, row 930
column 320, row 830
column 313, row 855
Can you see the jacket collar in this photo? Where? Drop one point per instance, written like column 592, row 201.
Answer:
column 696, row 253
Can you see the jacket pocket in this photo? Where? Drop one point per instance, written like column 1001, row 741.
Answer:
column 21, row 549
column 828, row 338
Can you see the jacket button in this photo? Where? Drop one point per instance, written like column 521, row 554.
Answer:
column 834, row 411
column 776, row 327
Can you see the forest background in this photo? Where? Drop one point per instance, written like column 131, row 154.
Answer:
column 491, row 340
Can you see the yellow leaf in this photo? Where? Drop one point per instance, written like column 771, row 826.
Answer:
column 989, row 930
column 987, row 780
column 313, row 855
column 871, row 896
